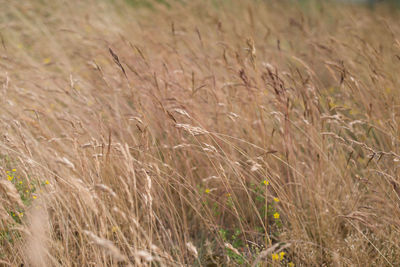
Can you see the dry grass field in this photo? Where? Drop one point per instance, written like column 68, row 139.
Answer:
column 199, row 133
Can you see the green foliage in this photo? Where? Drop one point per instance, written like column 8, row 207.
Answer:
column 238, row 258
column 147, row 3
column 28, row 193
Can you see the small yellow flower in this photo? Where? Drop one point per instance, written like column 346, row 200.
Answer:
column 207, row 190
column 14, row 170
column 281, row 255
column 10, row 178
column 7, row 171
column 26, row 191
column 21, row 214
column 47, row 182
column 275, row 257
column 276, row 199
column 47, row 60
column 20, row 182
column 276, row 215
column 34, row 197
column 114, row 229
column 290, row 264
column 266, row 182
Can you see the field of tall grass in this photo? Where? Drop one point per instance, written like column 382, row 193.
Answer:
column 199, row 133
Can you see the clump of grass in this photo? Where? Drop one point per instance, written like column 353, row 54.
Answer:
column 204, row 133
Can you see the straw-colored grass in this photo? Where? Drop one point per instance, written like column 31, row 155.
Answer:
column 204, row 133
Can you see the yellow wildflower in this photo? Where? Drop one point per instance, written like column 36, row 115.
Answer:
column 34, row 197
column 47, row 182
column 47, row 60
column 276, row 215
column 207, row 190
column 266, row 182
column 276, row 199
column 275, row 257
column 114, row 229
column 10, row 178
column 20, row 182
column 290, row 264
column 281, row 255
column 14, row 170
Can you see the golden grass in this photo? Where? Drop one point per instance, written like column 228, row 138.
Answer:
column 258, row 133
